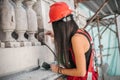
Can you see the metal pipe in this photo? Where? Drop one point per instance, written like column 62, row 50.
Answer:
column 116, row 4
column 112, row 30
column 100, row 46
column 93, row 17
column 106, row 28
column 99, row 37
column 109, row 48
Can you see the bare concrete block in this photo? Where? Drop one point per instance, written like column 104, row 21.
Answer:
column 12, row 44
column 36, row 43
column 2, row 45
column 25, row 44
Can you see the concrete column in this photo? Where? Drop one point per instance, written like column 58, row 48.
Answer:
column 32, row 22
column 21, row 20
column 8, row 23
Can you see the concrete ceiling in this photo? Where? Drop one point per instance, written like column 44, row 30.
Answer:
column 112, row 7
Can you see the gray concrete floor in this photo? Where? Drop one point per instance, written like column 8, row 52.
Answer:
column 40, row 74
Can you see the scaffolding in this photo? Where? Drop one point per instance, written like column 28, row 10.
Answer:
column 98, row 21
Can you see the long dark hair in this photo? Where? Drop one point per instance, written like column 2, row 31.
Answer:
column 64, row 29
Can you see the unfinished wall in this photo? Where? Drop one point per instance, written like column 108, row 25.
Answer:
column 23, row 55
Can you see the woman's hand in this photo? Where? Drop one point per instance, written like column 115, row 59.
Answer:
column 54, row 68
column 50, row 33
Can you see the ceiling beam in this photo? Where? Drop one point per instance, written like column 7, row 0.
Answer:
column 116, row 4
column 97, row 7
column 109, row 9
column 97, row 12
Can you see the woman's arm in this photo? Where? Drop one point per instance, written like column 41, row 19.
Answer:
column 80, row 46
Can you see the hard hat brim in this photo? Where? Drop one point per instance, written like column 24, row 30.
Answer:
column 70, row 12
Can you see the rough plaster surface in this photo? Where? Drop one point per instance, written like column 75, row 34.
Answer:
column 40, row 74
column 14, row 60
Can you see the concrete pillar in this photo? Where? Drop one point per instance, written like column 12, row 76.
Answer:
column 8, row 23
column 32, row 22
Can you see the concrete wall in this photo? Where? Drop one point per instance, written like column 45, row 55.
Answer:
column 18, row 59
column 14, row 60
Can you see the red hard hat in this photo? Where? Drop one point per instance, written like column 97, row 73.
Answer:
column 58, row 10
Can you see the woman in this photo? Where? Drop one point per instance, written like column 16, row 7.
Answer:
column 73, row 48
